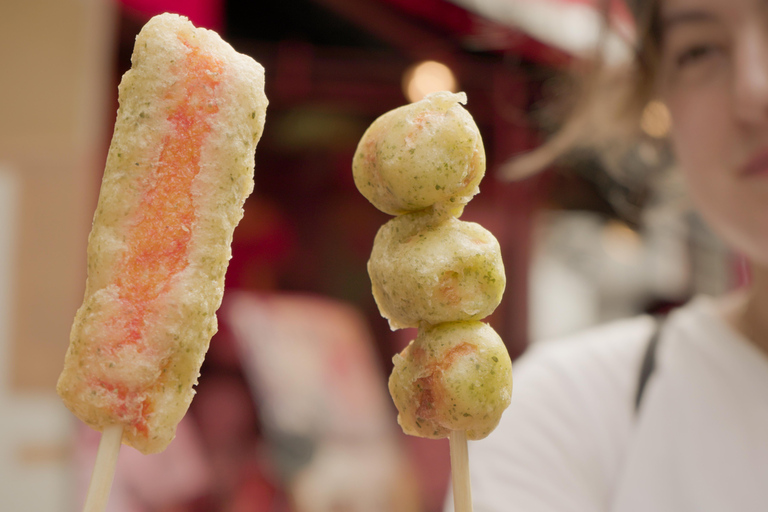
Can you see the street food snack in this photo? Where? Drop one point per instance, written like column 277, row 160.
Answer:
column 453, row 376
column 428, row 153
column 179, row 168
column 425, row 268
column 423, row 162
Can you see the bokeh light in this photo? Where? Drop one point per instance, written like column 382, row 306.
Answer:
column 427, row 77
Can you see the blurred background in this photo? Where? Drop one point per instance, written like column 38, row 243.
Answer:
column 292, row 412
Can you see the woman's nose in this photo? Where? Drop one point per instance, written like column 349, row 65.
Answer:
column 750, row 86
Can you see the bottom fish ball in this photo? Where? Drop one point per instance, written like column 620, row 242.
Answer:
column 453, row 376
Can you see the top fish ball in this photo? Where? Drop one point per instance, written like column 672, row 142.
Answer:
column 428, row 153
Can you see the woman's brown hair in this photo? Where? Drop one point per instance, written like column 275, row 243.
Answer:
column 609, row 99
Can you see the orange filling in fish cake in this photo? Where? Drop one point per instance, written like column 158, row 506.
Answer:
column 432, row 397
column 159, row 238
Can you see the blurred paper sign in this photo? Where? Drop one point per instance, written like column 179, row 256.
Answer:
column 311, row 363
column 322, row 400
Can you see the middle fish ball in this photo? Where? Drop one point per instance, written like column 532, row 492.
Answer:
column 433, row 269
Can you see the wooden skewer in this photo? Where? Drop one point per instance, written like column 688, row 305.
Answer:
column 462, row 491
column 104, row 469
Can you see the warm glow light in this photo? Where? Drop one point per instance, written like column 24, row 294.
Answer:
column 427, row 77
column 656, row 120
column 621, row 243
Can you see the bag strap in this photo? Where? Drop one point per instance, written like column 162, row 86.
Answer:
column 649, row 360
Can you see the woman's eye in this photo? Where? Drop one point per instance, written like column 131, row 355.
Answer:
column 694, row 54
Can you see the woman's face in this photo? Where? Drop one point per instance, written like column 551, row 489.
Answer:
column 714, row 79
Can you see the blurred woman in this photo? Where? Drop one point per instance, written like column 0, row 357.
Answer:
column 626, row 418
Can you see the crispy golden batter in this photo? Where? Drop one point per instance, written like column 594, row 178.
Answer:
column 453, row 376
column 179, row 169
column 427, row 269
column 423, row 162
column 428, row 153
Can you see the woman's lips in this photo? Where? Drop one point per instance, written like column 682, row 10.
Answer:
column 757, row 166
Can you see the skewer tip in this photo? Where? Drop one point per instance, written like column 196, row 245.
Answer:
column 104, row 469
column 462, row 491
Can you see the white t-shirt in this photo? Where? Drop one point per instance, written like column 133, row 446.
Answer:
column 571, row 441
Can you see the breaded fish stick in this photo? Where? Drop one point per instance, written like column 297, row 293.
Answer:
column 179, row 169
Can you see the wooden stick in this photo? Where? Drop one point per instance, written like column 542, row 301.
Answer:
column 462, row 491
column 104, row 469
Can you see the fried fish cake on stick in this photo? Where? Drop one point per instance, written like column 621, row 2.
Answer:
column 423, row 162
column 425, row 268
column 179, row 168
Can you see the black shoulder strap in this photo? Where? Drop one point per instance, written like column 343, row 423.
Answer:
column 649, row 361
